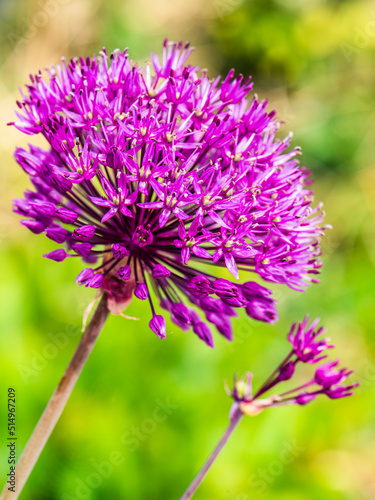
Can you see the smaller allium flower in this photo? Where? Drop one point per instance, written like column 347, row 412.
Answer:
column 328, row 379
column 150, row 173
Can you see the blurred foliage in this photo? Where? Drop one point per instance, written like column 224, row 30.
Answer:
column 324, row 49
column 314, row 61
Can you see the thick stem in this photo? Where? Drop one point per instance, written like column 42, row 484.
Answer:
column 206, row 467
column 56, row 404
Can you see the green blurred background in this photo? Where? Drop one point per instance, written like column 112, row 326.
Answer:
column 314, row 61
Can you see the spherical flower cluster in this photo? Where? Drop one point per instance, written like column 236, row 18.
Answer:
column 328, row 379
column 158, row 171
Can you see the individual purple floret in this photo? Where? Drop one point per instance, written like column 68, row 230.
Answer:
column 328, row 379
column 306, row 347
column 154, row 172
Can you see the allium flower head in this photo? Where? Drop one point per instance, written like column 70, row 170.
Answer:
column 150, row 173
column 328, row 379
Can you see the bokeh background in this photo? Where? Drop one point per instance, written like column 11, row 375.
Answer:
column 314, row 61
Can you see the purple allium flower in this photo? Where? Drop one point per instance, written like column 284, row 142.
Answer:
column 328, row 379
column 160, row 170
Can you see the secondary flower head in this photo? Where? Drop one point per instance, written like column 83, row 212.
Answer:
column 328, row 379
column 158, row 170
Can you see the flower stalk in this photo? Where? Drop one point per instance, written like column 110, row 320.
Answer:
column 57, row 402
column 206, row 467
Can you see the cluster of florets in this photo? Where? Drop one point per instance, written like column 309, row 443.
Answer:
column 157, row 171
column 307, row 348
